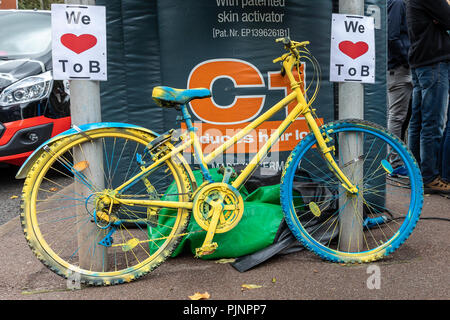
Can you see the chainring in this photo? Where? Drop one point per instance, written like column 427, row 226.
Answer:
column 225, row 193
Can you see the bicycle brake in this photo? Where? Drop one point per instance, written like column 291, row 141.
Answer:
column 157, row 146
column 159, row 141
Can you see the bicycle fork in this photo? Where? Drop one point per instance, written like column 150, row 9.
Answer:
column 327, row 153
column 304, row 109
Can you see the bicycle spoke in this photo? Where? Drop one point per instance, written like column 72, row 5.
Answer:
column 379, row 197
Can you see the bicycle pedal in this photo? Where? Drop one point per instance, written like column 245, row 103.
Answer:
column 228, row 173
column 206, row 249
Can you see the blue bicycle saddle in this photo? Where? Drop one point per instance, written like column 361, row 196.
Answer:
column 168, row 97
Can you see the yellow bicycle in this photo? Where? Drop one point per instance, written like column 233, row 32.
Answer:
column 340, row 194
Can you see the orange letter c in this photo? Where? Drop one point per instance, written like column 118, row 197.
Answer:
column 243, row 74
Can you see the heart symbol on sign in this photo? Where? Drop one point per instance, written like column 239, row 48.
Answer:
column 353, row 50
column 78, row 44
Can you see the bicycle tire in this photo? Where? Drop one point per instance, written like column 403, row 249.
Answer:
column 50, row 231
column 316, row 233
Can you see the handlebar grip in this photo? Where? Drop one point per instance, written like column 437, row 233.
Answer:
column 285, row 40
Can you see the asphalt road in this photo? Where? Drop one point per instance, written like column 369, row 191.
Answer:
column 10, row 192
column 418, row 270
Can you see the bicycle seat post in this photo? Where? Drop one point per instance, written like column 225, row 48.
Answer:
column 187, row 118
column 198, row 153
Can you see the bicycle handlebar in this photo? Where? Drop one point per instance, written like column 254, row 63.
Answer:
column 291, row 46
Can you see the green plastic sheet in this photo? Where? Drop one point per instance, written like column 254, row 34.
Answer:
column 256, row 230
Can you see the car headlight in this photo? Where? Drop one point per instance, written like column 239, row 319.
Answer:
column 28, row 89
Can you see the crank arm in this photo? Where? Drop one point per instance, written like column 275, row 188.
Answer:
column 208, row 246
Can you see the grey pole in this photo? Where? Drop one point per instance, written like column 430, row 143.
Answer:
column 85, row 108
column 351, row 105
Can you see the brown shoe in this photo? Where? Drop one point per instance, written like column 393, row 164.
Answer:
column 437, row 186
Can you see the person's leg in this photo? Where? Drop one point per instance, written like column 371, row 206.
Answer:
column 445, row 148
column 399, row 95
column 445, row 164
column 407, row 119
column 433, row 81
column 415, row 122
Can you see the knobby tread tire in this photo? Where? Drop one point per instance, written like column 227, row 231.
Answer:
column 286, row 202
column 50, row 262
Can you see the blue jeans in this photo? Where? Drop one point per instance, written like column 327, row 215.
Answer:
column 429, row 107
column 445, row 147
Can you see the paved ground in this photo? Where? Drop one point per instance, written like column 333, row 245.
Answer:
column 10, row 190
column 418, row 270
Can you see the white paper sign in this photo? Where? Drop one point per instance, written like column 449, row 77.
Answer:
column 352, row 57
column 79, row 42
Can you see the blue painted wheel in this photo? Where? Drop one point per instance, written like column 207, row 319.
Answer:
column 344, row 227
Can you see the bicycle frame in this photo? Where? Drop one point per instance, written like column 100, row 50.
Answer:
column 302, row 108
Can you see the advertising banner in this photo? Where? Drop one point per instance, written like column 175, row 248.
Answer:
column 228, row 47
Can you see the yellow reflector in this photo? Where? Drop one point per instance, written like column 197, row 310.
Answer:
column 130, row 244
column 315, row 209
